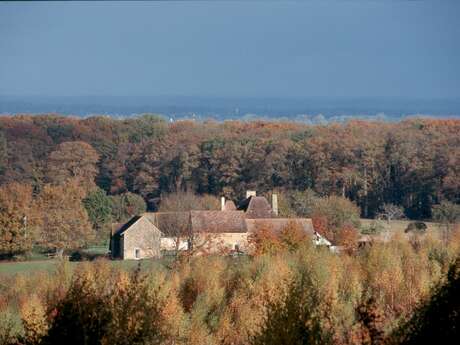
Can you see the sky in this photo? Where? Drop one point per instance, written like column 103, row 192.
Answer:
column 346, row 49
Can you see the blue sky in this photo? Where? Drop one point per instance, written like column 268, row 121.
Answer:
column 404, row 49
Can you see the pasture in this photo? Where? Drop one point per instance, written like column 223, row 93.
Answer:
column 40, row 263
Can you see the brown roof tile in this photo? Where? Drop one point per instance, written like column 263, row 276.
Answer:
column 218, row 221
column 229, row 206
column 256, row 207
column 171, row 224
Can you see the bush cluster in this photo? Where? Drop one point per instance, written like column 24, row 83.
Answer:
column 291, row 295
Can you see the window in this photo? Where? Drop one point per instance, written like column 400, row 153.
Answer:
column 137, row 253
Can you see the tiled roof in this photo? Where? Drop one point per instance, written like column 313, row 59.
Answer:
column 171, row 224
column 181, row 223
column 218, row 221
column 278, row 224
column 229, row 206
column 256, row 207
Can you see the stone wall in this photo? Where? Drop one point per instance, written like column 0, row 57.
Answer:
column 144, row 237
column 220, row 242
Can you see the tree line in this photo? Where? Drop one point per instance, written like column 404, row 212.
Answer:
column 61, row 172
column 414, row 163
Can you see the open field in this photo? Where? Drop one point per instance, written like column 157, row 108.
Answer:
column 10, row 268
column 398, row 226
column 39, row 263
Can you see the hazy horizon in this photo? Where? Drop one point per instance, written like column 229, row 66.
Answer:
column 277, row 50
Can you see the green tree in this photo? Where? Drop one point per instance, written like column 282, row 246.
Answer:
column 146, row 126
column 99, row 208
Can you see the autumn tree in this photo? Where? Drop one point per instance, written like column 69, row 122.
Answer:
column 265, row 241
column 187, row 201
column 126, row 205
column 413, row 164
column 293, row 236
column 129, row 312
column 73, row 160
column 335, row 214
column 13, row 234
column 435, row 320
column 3, row 152
column 64, row 221
column 17, row 222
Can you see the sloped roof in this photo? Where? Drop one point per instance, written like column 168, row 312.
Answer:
column 181, row 223
column 217, row 221
column 119, row 228
column 278, row 224
column 171, row 224
column 229, row 206
column 256, row 207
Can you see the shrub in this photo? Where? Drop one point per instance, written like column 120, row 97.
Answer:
column 332, row 214
column 94, row 311
column 8, row 334
column 418, row 227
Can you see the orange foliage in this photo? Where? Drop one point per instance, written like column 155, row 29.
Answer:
column 265, row 241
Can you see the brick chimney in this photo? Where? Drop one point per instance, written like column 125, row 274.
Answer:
column 275, row 204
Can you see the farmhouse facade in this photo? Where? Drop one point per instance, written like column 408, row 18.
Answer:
column 224, row 231
column 137, row 239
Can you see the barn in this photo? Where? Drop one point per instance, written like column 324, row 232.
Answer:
column 224, row 231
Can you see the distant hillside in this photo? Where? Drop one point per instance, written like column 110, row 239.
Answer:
column 314, row 110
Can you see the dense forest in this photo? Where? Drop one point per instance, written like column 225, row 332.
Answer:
column 414, row 164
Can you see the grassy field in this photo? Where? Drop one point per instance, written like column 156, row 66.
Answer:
column 398, row 227
column 39, row 262
column 25, row 267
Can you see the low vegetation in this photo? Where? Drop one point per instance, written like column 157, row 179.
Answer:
column 288, row 294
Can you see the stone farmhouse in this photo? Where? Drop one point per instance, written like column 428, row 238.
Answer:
column 225, row 231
